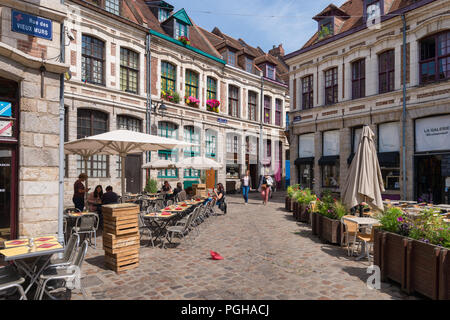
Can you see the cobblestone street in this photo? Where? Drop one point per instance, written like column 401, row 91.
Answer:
column 267, row 255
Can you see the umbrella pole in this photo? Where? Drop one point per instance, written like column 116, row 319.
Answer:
column 87, row 179
column 122, row 175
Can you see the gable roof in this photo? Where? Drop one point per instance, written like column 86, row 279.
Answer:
column 182, row 16
column 353, row 9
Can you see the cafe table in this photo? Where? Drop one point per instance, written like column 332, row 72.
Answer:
column 39, row 249
column 363, row 222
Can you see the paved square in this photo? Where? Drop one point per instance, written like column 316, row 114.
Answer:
column 267, row 256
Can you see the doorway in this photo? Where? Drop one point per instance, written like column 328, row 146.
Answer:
column 432, row 179
column 133, row 176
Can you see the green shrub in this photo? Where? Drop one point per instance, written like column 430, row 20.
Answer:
column 152, row 186
column 292, row 189
column 392, row 219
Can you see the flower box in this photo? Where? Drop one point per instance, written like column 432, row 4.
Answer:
column 305, row 214
column 212, row 105
column 295, row 210
column 315, row 223
column 192, row 102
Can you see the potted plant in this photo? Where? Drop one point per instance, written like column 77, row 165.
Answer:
column 192, row 102
column 170, row 96
column 330, row 211
column 306, row 201
column 212, row 105
column 185, row 40
column 290, row 196
column 152, row 186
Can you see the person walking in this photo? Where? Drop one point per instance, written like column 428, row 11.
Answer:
column 79, row 192
column 246, row 183
column 263, row 188
column 269, row 185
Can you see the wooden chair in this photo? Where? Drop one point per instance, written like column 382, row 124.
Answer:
column 367, row 239
column 351, row 232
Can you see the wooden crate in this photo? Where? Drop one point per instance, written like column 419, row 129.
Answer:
column 119, row 210
column 121, row 226
column 111, row 241
column 122, row 261
column 121, row 250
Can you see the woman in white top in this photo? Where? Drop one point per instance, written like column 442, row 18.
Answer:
column 246, row 182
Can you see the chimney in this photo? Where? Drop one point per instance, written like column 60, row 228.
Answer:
column 277, row 51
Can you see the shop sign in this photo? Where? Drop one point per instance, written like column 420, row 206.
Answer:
column 5, row 109
column 6, row 128
column 31, row 25
column 433, row 134
column 220, row 120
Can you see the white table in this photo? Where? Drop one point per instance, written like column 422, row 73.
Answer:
column 363, row 222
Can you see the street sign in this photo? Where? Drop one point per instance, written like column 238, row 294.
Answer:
column 31, row 25
column 297, row 119
column 5, row 109
column 220, row 120
column 6, row 128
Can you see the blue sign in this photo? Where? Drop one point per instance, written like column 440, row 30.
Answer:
column 219, row 120
column 32, row 25
column 5, row 109
column 297, row 119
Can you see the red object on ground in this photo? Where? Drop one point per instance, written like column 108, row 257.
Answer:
column 215, row 255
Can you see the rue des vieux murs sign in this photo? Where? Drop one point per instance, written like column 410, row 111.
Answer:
column 31, row 25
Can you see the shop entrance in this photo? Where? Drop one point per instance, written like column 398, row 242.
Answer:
column 433, row 179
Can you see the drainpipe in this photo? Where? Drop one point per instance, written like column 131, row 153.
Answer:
column 61, row 140
column 149, row 94
column 404, row 110
column 261, row 127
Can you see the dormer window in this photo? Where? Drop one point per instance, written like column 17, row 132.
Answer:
column 181, row 29
column 163, row 14
column 270, row 72
column 230, row 57
column 373, row 9
column 113, row 6
column 248, row 64
column 326, row 28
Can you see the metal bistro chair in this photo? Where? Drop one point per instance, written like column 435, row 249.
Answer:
column 144, row 226
column 69, row 252
column 71, row 274
column 87, row 224
column 180, row 229
column 194, row 221
column 9, row 278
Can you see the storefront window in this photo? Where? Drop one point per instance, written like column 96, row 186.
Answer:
column 330, row 159
column 330, row 175
column 306, row 175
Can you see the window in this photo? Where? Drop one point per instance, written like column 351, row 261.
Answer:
column 326, row 29
column 389, row 154
column 269, row 148
column 89, row 123
column 231, row 58
column 163, row 14
column 211, row 90
column 233, row 168
column 331, row 86
column 168, row 77
column 192, row 135
column 168, row 130
column 435, row 58
column 330, row 175
column 211, row 144
column 112, row 6
column 356, row 138
column 233, row 101
column 126, row 123
column 358, row 79
column 278, row 111
column 270, row 72
column 181, row 29
column 386, row 69
column 267, row 109
column 373, row 11
column 330, row 168
column 307, row 92
column 129, row 70
column 248, row 64
column 191, row 84
column 92, row 62
column 252, row 105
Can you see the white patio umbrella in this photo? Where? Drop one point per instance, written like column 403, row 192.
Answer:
column 122, row 143
column 364, row 182
column 199, row 163
column 160, row 164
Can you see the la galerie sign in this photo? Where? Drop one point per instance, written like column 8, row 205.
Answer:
column 433, row 134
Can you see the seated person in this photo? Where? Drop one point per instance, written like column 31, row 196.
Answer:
column 110, row 196
column 220, row 196
column 95, row 199
column 166, row 187
column 178, row 189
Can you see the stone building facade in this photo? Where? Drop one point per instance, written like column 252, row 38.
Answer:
column 350, row 75
column 116, row 96
column 30, row 69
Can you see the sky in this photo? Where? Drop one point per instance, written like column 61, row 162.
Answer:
column 263, row 23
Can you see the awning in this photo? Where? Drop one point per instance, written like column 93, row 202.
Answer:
column 308, row 160
column 324, row 160
column 389, row 159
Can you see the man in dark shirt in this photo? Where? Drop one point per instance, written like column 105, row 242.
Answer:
column 110, row 196
column 79, row 192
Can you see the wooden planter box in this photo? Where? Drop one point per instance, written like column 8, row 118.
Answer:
column 315, row 223
column 444, row 275
column 330, row 230
column 304, row 214
column 287, row 203
column 422, row 263
column 417, row 266
column 295, row 210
